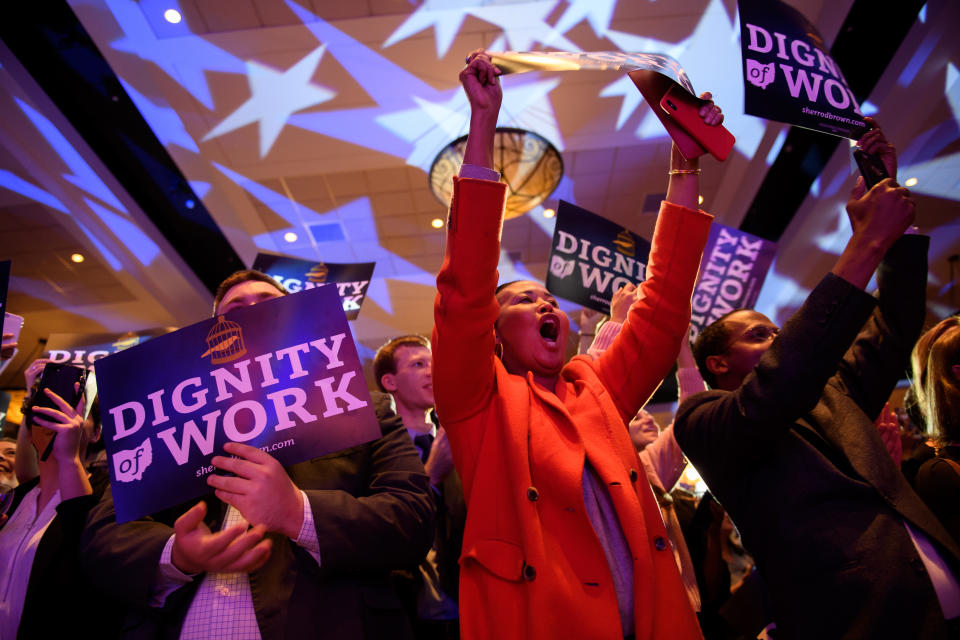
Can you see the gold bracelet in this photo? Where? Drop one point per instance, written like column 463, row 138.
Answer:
column 683, row 172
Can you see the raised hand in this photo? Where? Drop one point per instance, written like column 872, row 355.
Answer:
column 711, row 113
column 882, row 214
column 440, row 461
column 197, row 550
column 66, row 423
column 621, row 301
column 260, row 489
column 481, row 82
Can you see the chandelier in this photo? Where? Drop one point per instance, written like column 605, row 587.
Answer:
column 529, row 165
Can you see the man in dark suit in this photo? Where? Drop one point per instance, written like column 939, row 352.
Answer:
column 403, row 367
column 316, row 562
column 787, row 443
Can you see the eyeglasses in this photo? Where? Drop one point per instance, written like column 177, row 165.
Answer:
column 753, row 335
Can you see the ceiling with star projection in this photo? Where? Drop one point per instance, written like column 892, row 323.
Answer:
column 170, row 141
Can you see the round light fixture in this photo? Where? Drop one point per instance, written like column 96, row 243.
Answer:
column 77, row 257
column 530, row 166
column 549, row 213
column 290, row 236
column 910, row 182
column 436, row 223
column 700, row 200
column 172, row 16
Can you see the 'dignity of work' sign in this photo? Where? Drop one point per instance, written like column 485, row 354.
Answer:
column 591, row 257
column 282, row 375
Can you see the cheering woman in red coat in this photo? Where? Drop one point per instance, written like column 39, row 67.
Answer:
column 564, row 537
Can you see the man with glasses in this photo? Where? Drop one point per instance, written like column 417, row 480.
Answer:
column 786, row 441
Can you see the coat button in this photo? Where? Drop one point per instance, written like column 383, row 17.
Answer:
column 532, row 494
column 634, row 475
column 660, row 543
column 529, row 573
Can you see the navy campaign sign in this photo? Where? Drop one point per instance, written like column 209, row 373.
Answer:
column 732, row 271
column 282, row 375
column 84, row 349
column 351, row 280
column 592, row 257
column 789, row 76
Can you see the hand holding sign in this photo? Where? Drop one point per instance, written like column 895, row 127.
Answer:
column 197, row 550
column 620, row 304
column 261, row 490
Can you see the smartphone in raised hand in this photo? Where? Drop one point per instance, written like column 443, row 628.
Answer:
column 61, row 379
column 684, row 109
column 871, row 167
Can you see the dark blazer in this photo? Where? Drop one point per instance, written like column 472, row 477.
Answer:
column 373, row 513
column 938, row 483
column 794, row 457
column 60, row 601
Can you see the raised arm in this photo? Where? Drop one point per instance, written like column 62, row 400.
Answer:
column 790, row 376
column 658, row 319
column 466, row 308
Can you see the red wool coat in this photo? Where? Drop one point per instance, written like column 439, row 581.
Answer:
column 532, row 566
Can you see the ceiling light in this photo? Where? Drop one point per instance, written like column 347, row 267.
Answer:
column 290, row 236
column 910, row 182
column 172, row 16
column 77, row 257
column 700, row 200
column 436, row 223
column 549, row 213
column 530, row 166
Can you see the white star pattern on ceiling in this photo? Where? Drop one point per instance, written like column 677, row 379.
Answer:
column 523, row 23
column 430, row 126
column 597, row 12
column 275, row 96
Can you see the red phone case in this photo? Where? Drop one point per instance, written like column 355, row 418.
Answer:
column 684, row 109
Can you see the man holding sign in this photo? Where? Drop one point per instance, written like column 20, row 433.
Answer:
column 302, row 551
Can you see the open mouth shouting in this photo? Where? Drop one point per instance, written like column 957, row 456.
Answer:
column 550, row 329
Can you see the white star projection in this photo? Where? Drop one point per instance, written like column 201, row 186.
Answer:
column 420, row 118
column 185, row 60
column 523, row 23
column 597, row 12
column 431, row 126
column 275, row 96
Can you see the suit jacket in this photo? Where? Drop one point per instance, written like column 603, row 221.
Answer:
column 795, row 459
column 532, row 565
column 372, row 510
column 60, row 599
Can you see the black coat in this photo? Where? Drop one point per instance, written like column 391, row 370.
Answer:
column 373, row 513
column 794, row 457
column 61, row 602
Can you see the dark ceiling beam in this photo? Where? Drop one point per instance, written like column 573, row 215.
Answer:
column 867, row 42
column 52, row 45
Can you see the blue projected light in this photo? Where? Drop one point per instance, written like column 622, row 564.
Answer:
column 83, row 177
column 187, row 60
column 164, row 121
column 413, row 114
column 597, row 12
column 127, row 232
column 17, row 184
column 275, row 96
column 523, row 23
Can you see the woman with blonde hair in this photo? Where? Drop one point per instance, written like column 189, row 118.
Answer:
column 936, row 379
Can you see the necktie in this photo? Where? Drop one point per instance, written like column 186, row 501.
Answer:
column 423, row 443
